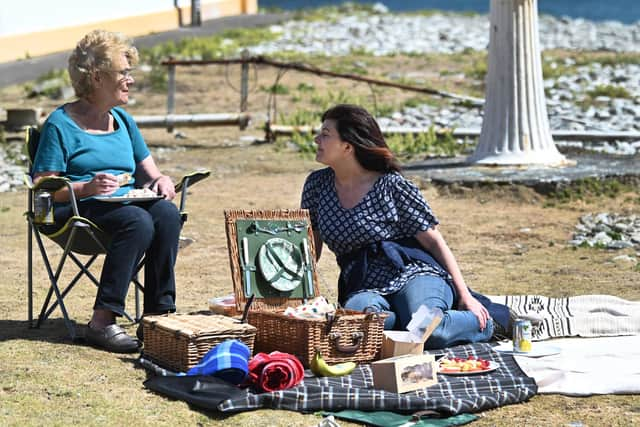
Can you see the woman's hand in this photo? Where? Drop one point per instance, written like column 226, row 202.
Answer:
column 468, row 302
column 154, row 180
column 434, row 243
column 102, row 184
column 164, row 186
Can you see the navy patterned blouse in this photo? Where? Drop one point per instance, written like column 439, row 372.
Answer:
column 393, row 209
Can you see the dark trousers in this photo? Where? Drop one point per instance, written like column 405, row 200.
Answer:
column 151, row 228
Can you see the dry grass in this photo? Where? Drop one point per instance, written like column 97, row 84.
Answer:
column 45, row 380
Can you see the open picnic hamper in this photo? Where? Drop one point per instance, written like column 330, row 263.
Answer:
column 272, row 256
column 179, row 341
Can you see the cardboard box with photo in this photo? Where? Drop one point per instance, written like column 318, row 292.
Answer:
column 406, row 373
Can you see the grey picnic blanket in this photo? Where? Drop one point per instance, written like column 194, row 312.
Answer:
column 451, row 396
column 583, row 316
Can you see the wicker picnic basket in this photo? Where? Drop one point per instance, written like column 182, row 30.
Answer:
column 346, row 336
column 349, row 336
column 179, row 341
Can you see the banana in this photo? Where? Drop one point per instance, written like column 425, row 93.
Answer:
column 322, row 369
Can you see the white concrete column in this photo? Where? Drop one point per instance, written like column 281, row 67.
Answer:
column 515, row 128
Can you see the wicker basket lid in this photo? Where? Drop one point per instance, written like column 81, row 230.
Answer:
column 195, row 325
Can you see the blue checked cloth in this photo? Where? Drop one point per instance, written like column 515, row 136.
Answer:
column 229, row 361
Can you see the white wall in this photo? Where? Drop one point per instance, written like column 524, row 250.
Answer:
column 27, row 16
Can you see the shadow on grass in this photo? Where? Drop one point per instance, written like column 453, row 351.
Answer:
column 52, row 330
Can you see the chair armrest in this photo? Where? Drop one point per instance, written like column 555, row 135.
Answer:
column 191, row 179
column 184, row 184
column 53, row 184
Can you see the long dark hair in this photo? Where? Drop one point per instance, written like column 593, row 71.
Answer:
column 357, row 127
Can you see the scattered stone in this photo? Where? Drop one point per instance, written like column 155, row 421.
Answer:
column 625, row 259
column 185, row 241
column 607, row 230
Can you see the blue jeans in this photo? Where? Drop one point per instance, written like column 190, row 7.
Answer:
column 151, row 228
column 456, row 327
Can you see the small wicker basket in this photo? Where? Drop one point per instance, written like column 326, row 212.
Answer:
column 179, row 341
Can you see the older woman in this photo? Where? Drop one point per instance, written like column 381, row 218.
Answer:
column 385, row 237
column 93, row 142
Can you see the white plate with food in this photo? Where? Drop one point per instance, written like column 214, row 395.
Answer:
column 125, row 198
column 466, row 366
column 135, row 195
column 537, row 349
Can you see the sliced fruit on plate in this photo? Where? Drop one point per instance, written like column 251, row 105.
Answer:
column 458, row 364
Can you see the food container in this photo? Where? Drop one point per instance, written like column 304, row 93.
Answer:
column 423, row 322
column 225, row 305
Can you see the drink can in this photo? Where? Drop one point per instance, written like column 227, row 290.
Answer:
column 43, row 207
column 522, row 336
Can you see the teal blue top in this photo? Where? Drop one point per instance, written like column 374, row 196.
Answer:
column 66, row 148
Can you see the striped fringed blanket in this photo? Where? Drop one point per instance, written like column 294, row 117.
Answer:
column 584, row 316
column 452, row 395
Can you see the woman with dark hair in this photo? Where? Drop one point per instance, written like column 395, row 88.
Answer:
column 384, row 235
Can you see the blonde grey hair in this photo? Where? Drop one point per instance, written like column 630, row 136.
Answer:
column 95, row 53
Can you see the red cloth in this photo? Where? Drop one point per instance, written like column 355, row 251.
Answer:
column 275, row 371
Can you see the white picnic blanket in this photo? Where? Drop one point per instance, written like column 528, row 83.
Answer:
column 587, row 366
column 584, row 316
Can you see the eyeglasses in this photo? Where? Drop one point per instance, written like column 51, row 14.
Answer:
column 125, row 73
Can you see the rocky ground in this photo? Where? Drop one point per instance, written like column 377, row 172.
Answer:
column 382, row 33
column 388, row 34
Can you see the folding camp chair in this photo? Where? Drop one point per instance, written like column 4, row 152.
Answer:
column 78, row 236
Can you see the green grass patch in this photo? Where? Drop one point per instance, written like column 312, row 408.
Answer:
column 477, row 69
column 225, row 44
column 552, row 69
column 305, row 87
column 405, row 146
column 417, row 101
column 428, row 144
column 587, row 189
column 612, row 91
column 606, row 58
column 157, row 78
column 351, row 67
column 278, row 89
column 301, row 117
